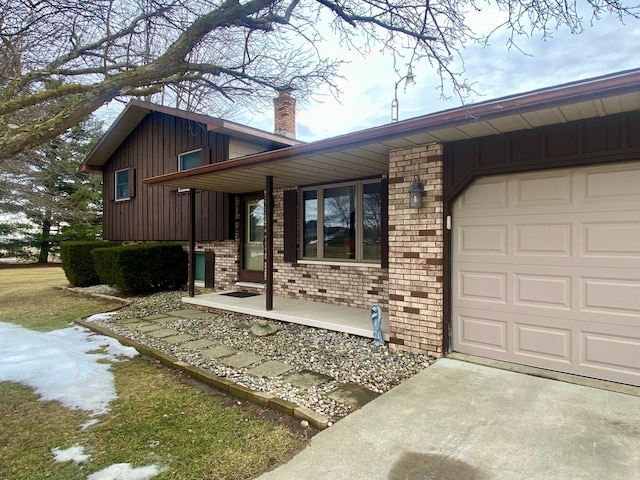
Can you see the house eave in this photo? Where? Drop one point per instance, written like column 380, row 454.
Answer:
column 365, row 153
column 136, row 110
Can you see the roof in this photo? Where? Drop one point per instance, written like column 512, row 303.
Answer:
column 136, row 110
column 366, row 153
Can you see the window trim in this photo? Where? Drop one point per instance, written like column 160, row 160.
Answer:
column 180, row 155
column 359, row 222
column 115, row 185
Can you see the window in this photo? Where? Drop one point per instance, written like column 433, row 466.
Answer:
column 123, row 182
column 342, row 222
column 187, row 161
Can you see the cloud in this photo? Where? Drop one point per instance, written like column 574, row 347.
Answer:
column 495, row 71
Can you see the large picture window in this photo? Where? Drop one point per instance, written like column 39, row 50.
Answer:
column 342, row 222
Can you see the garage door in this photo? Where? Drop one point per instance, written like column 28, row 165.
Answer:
column 546, row 270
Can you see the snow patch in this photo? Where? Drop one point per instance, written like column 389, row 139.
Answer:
column 74, row 454
column 89, row 423
column 99, row 317
column 124, row 471
column 57, row 364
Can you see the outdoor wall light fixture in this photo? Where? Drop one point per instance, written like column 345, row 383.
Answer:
column 409, row 79
column 415, row 193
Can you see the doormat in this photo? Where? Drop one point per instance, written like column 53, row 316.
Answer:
column 240, row 294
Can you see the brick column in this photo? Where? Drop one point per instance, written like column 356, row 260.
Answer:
column 416, row 252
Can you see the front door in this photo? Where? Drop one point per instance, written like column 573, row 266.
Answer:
column 252, row 247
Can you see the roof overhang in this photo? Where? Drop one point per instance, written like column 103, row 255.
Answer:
column 136, row 110
column 366, row 153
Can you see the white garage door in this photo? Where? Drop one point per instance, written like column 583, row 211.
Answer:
column 546, row 270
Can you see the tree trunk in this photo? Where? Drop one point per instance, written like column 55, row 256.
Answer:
column 45, row 243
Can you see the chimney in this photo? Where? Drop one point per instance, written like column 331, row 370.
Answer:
column 285, row 115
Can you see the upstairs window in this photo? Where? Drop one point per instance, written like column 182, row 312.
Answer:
column 187, row 161
column 342, row 222
column 123, row 184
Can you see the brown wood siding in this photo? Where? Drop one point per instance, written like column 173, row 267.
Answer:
column 597, row 140
column 162, row 213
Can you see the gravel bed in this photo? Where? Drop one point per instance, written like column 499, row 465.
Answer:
column 346, row 358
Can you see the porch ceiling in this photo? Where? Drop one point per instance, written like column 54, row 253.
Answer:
column 366, row 153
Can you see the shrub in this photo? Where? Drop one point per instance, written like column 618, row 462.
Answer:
column 104, row 265
column 143, row 268
column 77, row 261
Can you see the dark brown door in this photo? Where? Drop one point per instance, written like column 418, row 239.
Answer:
column 252, row 240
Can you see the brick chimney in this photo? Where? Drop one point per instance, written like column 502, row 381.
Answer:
column 285, row 115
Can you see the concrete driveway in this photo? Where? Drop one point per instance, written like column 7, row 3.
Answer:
column 459, row 421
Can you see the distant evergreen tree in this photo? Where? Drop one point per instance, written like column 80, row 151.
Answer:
column 51, row 198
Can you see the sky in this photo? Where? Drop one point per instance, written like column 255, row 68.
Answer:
column 368, row 89
column 605, row 46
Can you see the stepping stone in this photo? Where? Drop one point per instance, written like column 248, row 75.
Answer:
column 219, row 351
column 135, row 324
column 198, row 344
column 127, row 321
column 155, row 316
column 307, row 379
column 353, row 394
column 165, row 319
column 242, row 359
column 163, row 332
column 148, row 327
column 190, row 313
column 176, row 339
column 270, row 369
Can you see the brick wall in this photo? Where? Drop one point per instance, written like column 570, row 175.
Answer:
column 226, row 262
column 416, row 252
column 284, row 107
column 349, row 285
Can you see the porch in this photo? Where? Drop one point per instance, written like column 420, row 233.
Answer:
column 355, row 321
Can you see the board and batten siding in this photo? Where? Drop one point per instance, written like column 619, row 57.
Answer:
column 610, row 139
column 162, row 213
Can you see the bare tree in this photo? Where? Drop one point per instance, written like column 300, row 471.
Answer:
column 60, row 60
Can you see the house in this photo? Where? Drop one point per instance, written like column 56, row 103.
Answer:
column 508, row 229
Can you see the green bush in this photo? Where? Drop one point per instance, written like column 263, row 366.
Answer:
column 143, row 268
column 104, row 265
column 77, row 261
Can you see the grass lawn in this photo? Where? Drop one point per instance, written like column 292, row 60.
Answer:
column 157, row 418
column 30, row 296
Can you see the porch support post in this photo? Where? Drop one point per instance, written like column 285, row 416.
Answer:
column 268, row 210
column 192, row 242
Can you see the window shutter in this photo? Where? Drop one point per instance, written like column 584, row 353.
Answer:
column 384, row 219
column 291, row 226
column 132, row 182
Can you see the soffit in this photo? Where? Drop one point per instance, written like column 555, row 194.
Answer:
column 366, row 153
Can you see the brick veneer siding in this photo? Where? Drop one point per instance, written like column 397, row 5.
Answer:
column 226, row 262
column 416, row 252
column 349, row 285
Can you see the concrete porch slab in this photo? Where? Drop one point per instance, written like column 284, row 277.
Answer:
column 355, row 321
